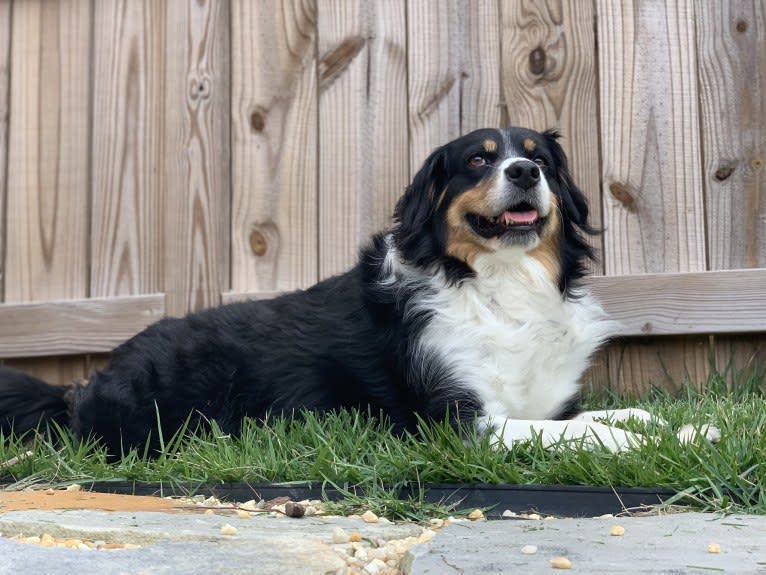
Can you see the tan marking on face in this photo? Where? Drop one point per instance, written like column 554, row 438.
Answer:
column 547, row 252
column 490, row 145
column 462, row 243
column 530, row 145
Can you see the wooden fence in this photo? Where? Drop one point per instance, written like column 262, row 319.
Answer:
column 161, row 156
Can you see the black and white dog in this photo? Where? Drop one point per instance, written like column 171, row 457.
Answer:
column 469, row 306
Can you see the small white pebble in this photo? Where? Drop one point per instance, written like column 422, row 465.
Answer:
column 561, row 563
column 605, row 516
column 339, row 535
column 375, row 566
column 249, row 505
column 437, row 523
column 529, row 549
column 242, row 514
column 714, row 548
column 616, row 531
column 534, row 517
column 209, row 512
column 73, row 487
column 476, row 514
column 507, row 514
column 369, row 517
column 227, row 529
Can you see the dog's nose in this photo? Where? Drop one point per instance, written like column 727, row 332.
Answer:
column 523, row 173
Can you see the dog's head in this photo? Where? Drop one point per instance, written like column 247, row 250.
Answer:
column 495, row 191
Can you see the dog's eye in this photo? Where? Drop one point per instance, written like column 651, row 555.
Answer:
column 540, row 161
column 477, row 161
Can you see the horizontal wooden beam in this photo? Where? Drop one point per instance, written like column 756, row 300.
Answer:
column 685, row 303
column 235, row 296
column 644, row 305
column 75, row 326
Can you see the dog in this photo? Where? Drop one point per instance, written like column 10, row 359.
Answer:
column 470, row 307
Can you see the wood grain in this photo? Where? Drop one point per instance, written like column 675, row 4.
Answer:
column 653, row 204
column 363, row 118
column 690, row 303
column 433, row 74
column 274, row 147
column 731, row 41
column 481, row 103
column 197, row 156
column 127, row 148
column 549, row 72
column 47, row 199
column 75, row 326
column 5, row 64
column 731, row 47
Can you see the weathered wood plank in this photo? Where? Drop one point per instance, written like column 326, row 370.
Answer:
column 75, row 326
column 274, row 147
column 731, row 41
column 731, row 46
column 480, row 87
column 433, row 72
column 127, row 161
column 653, row 204
column 690, row 303
column 5, row 64
column 197, row 156
column 47, row 198
column 48, row 154
column 363, row 158
column 549, row 81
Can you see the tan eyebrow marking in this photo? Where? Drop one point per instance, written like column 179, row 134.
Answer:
column 490, row 145
column 530, row 145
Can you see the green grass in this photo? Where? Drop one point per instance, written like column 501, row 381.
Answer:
column 352, row 449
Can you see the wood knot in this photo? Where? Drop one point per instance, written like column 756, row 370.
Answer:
column 624, row 195
column 199, row 89
column 724, row 172
column 537, row 60
column 741, row 26
column 258, row 243
column 258, row 120
column 757, row 163
column 335, row 62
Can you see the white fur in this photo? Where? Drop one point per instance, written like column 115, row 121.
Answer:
column 509, row 335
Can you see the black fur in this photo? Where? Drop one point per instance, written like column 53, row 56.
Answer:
column 346, row 342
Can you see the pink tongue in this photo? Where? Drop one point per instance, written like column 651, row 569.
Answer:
column 520, row 217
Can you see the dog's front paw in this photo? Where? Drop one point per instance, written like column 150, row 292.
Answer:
column 690, row 433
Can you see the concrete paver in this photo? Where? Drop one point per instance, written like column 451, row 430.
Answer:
column 193, row 543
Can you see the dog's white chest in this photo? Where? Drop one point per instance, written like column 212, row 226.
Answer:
column 514, row 341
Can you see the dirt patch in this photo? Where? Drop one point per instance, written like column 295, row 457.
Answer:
column 59, row 499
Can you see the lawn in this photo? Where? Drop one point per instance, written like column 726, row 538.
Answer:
column 348, row 449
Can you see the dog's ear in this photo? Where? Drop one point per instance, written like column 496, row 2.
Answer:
column 413, row 215
column 575, row 204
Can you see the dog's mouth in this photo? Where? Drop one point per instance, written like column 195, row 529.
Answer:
column 519, row 218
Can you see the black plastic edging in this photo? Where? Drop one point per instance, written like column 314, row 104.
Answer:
column 558, row 500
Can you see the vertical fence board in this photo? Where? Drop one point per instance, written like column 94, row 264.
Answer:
column 433, row 71
column 549, row 81
column 274, row 148
column 46, row 255
column 5, row 54
column 731, row 46
column 197, row 154
column 480, row 93
column 363, row 119
column 653, row 207
column 127, row 148
column 388, row 114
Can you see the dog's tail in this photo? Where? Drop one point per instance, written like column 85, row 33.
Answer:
column 27, row 402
